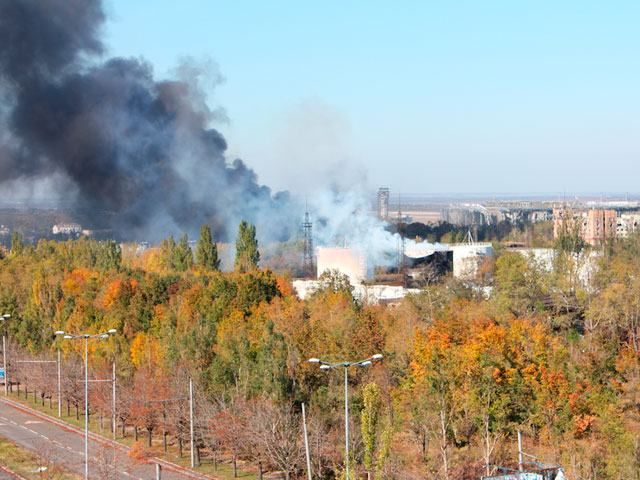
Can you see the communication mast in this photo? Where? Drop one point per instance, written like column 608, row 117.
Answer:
column 307, row 260
column 401, row 231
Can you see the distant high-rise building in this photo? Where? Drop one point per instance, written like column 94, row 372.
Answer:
column 594, row 226
column 383, row 203
column 601, row 226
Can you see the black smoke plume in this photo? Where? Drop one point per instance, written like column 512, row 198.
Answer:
column 138, row 154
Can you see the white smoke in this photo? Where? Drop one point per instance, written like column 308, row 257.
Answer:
column 345, row 217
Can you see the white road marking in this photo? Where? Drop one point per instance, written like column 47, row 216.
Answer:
column 31, row 422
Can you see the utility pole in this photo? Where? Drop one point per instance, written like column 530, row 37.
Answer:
column 86, row 407
column 306, row 441
column 4, row 365
column 59, row 387
column 4, row 351
column 520, row 455
column 113, row 400
column 191, row 442
column 346, row 422
column 330, row 366
column 86, row 337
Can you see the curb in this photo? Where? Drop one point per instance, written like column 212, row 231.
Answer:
column 99, row 438
column 11, row 472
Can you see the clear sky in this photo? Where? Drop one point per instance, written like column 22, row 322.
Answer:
column 422, row 96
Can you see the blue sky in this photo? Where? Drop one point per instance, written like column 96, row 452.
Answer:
column 421, row 96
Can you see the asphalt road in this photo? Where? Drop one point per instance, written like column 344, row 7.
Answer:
column 62, row 445
column 5, row 475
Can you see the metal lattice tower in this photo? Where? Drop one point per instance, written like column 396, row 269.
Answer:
column 307, row 260
column 401, row 244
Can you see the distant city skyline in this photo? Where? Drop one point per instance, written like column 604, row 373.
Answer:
column 432, row 97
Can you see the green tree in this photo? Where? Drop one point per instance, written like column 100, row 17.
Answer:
column 369, row 420
column 167, row 249
column 519, row 284
column 109, row 255
column 182, row 255
column 569, row 238
column 247, row 254
column 206, row 250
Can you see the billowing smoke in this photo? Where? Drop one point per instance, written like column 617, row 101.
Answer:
column 344, row 218
column 135, row 154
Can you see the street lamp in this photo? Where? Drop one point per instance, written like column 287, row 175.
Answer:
column 330, row 366
column 4, row 353
column 86, row 337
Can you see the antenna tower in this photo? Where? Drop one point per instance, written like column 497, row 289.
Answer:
column 307, row 260
column 401, row 246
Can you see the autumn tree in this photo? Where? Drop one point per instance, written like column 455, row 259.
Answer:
column 277, row 433
column 436, row 378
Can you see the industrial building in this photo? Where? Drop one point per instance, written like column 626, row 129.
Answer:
column 421, row 263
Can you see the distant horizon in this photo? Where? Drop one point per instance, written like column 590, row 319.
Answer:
column 405, row 197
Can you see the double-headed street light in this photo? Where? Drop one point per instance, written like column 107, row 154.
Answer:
column 4, row 353
column 330, row 366
column 86, row 337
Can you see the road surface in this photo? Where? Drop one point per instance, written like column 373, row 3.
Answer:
column 63, row 444
column 8, row 475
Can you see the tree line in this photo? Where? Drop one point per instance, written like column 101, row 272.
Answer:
column 552, row 352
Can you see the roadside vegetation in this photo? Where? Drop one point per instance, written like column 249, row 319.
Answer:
column 31, row 466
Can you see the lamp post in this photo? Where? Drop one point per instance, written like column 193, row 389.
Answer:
column 4, row 353
column 330, row 366
column 86, row 337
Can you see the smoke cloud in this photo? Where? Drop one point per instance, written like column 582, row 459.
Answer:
column 137, row 154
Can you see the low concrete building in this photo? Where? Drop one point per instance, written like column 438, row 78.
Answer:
column 370, row 294
column 468, row 257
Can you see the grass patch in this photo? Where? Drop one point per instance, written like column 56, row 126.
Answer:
column 25, row 463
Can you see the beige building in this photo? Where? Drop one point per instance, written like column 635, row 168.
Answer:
column 601, row 226
column 595, row 226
